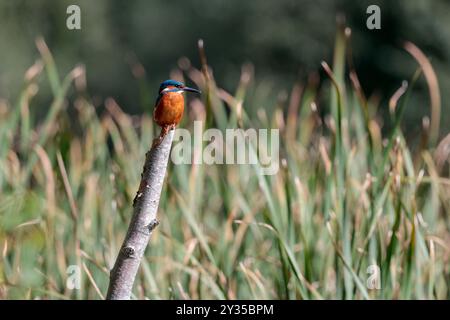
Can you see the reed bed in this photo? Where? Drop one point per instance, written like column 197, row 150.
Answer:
column 351, row 194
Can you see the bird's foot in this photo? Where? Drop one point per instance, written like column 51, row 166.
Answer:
column 164, row 131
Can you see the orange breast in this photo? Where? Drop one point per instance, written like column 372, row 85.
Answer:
column 169, row 109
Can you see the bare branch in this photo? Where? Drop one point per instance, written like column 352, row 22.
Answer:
column 142, row 223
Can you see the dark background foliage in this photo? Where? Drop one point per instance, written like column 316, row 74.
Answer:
column 285, row 40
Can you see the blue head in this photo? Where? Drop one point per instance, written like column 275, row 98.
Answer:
column 175, row 86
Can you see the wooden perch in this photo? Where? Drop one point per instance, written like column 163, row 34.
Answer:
column 143, row 221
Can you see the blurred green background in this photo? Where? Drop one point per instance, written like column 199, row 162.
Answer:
column 285, row 40
column 343, row 200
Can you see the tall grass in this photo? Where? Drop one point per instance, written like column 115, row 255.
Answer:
column 349, row 195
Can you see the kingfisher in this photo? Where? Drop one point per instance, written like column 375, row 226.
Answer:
column 169, row 106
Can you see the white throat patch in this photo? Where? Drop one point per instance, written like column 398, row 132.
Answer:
column 173, row 90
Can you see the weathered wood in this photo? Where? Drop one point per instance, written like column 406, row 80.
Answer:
column 143, row 221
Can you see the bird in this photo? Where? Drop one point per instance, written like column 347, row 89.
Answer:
column 169, row 106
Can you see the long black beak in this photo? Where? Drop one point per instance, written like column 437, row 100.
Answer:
column 191, row 90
